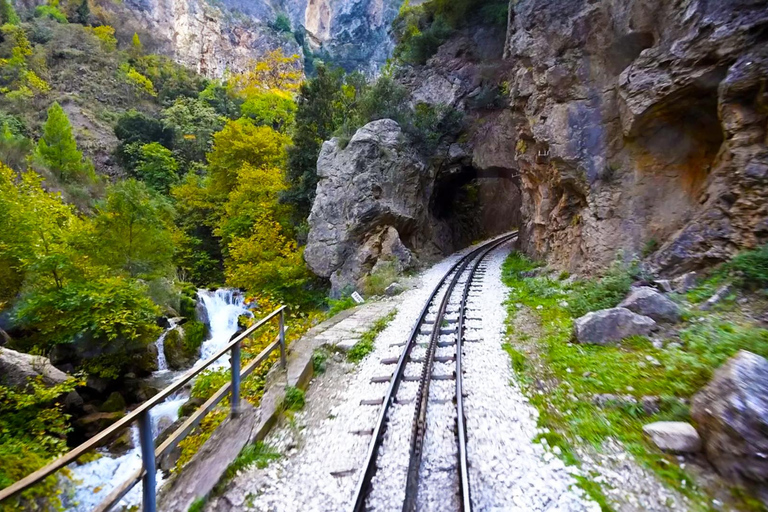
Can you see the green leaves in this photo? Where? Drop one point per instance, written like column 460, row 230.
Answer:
column 57, row 148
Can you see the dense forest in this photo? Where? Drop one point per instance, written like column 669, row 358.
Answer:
column 206, row 183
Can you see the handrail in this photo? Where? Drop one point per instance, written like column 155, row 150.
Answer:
column 140, row 413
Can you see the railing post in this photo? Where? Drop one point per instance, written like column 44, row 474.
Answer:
column 282, row 338
column 148, row 460
column 235, row 379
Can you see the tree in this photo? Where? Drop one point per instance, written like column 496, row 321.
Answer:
column 242, row 142
column 137, row 49
column 133, row 230
column 135, row 128
column 193, row 123
column 157, row 167
column 275, row 109
column 316, row 121
column 8, row 13
column 83, row 13
column 261, row 257
column 57, row 149
column 14, row 147
column 282, row 23
column 274, row 70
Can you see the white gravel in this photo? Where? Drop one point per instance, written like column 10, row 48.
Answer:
column 507, row 470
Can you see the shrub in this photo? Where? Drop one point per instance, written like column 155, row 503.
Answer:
column 140, row 82
column 603, row 293
column 336, row 306
column 750, row 268
column 106, row 35
column 50, row 11
column 282, row 23
column 377, row 282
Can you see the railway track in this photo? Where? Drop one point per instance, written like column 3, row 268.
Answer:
column 425, row 388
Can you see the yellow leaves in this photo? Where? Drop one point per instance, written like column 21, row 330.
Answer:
column 106, row 35
column 273, row 72
column 36, row 83
column 137, row 80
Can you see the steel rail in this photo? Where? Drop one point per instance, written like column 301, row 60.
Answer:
column 419, row 426
column 364, row 482
column 135, row 415
column 461, row 428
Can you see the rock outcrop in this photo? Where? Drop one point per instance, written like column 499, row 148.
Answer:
column 370, row 205
column 609, row 326
column 639, row 123
column 18, row 368
column 213, row 37
column 731, row 413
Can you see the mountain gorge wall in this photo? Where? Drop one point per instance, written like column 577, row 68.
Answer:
column 640, row 126
column 619, row 128
column 213, row 37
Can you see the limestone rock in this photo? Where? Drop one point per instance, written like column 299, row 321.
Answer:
column 609, row 326
column 90, row 425
column 685, row 282
column 732, row 416
column 18, row 368
column 368, row 194
column 647, row 301
column 674, row 436
column 393, row 289
column 178, row 353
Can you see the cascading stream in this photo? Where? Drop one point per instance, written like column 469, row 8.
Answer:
column 95, row 480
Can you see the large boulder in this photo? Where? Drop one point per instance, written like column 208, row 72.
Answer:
column 647, row 301
column 609, row 326
column 18, row 368
column 369, row 195
column 674, row 436
column 732, row 416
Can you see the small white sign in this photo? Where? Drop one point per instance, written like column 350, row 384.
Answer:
column 358, row 298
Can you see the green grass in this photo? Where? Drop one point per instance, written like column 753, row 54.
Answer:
column 581, row 371
column 294, row 399
column 198, row 505
column 319, row 359
column 336, row 306
column 366, row 344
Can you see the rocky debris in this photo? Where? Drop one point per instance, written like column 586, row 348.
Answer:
column 685, row 282
column 664, row 285
column 674, row 436
column 5, row 339
column 731, row 413
column 393, row 289
column 368, row 193
column 651, row 405
column 18, row 368
column 606, row 400
column 722, row 292
column 647, row 301
column 611, row 325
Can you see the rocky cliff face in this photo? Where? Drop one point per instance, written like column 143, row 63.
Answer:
column 212, row 37
column 640, row 124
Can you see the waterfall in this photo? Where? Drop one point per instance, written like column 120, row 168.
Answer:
column 95, row 480
column 162, row 364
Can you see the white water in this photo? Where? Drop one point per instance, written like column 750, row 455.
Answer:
column 95, row 480
column 162, row 363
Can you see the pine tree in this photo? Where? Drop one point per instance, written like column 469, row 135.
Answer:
column 137, row 49
column 8, row 13
column 57, row 149
column 83, row 13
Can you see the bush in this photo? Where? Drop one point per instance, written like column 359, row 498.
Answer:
column 282, row 23
column 750, row 268
column 603, row 293
column 336, row 306
column 377, row 282
column 50, row 11
column 33, row 432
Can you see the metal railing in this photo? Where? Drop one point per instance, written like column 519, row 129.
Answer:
column 141, row 415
